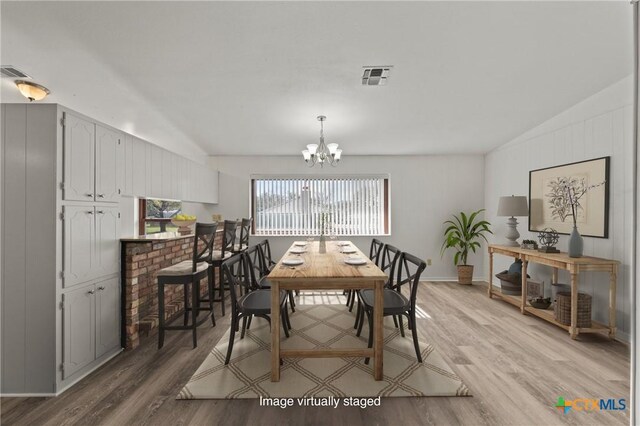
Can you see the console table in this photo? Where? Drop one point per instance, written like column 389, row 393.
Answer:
column 559, row 261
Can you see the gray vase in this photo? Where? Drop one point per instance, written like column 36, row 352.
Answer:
column 575, row 243
column 323, row 244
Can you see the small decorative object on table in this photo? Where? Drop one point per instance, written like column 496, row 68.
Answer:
column 184, row 222
column 324, row 219
column 540, row 302
column 548, row 238
column 529, row 245
column 535, row 289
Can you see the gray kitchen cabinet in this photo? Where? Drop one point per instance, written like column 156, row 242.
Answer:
column 91, row 242
column 56, row 160
column 126, row 166
column 79, row 158
column 107, row 316
column 79, row 244
column 78, row 329
column 154, row 172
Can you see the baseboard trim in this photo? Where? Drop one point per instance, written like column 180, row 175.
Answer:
column 27, row 395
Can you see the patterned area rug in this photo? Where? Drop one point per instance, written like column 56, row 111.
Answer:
column 321, row 325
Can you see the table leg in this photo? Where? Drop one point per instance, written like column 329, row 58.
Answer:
column 378, row 334
column 275, row 331
column 612, row 301
column 573, row 330
column 523, row 301
column 490, row 273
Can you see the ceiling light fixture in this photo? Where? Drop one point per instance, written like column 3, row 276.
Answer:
column 320, row 154
column 32, row 91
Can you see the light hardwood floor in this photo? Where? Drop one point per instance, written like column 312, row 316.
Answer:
column 516, row 367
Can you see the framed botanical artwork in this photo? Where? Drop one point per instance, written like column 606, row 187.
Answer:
column 550, row 198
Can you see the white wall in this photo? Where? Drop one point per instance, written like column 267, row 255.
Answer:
column 425, row 190
column 601, row 125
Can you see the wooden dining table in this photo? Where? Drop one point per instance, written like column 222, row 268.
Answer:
column 326, row 271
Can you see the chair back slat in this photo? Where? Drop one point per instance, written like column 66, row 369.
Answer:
column 235, row 271
column 254, row 261
column 387, row 262
column 228, row 236
column 203, row 243
column 410, row 269
column 375, row 250
column 245, row 230
column 267, row 260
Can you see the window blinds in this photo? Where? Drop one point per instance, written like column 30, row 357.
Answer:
column 309, row 205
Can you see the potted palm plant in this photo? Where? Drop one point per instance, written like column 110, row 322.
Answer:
column 463, row 234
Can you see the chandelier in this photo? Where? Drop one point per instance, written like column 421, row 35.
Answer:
column 321, row 154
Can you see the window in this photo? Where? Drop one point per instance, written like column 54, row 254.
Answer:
column 303, row 205
column 155, row 215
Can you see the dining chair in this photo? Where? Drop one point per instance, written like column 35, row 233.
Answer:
column 189, row 273
column 268, row 262
column 409, row 269
column 253, row 303
column 374, row 255
column 387, row 260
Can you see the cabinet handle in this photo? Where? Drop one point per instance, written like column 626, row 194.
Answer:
column 91, row 292
column 100, row 211
column 101, row 288
column 100, row 195
column 89, row 211
column 89, row 195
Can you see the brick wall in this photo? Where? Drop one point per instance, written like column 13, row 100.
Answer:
column 141, row 263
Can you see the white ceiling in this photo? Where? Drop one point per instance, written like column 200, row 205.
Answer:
column 250, row 78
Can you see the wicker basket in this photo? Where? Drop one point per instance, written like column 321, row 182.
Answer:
column 562, row 310
column 465, row 274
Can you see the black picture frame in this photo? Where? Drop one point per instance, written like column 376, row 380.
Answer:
column 597, row 211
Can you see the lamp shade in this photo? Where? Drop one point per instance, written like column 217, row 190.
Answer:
column 513, row 206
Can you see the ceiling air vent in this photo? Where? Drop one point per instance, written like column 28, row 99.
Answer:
column 376, row 76
column 10, row 71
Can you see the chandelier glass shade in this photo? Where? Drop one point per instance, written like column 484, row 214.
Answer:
column 322, row 153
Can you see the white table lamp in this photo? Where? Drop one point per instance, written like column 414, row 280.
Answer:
column 511, row 207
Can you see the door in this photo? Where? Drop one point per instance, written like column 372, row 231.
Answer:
column 78, row 228
column 107, row 244
column 108, row 144
column 107, row 316
column 78, row 146
column 78, row 329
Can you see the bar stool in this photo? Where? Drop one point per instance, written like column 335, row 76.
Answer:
column 219, row 256
column 185, row 273
column 245, row 229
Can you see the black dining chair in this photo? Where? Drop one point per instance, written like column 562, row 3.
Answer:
column 268, row 262
column 252, row 303
column 374, row 256
column 387, row 259
column 409, row 269
column 189, row 273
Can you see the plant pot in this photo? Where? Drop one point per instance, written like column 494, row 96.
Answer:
column 465, row 274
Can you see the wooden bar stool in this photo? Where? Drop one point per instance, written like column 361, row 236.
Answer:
column 189, row 273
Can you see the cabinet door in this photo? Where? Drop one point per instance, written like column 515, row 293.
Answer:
column 78, row 325
column 79, row 236
column 107, row 316
column 214, row 177
column 126, row 166
column 167, row 175
column 79, row 162
column 107, row 146
column 176, row 174
column 154, row 171
column 107, row 244
column 185, row 179
column 139, row 167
